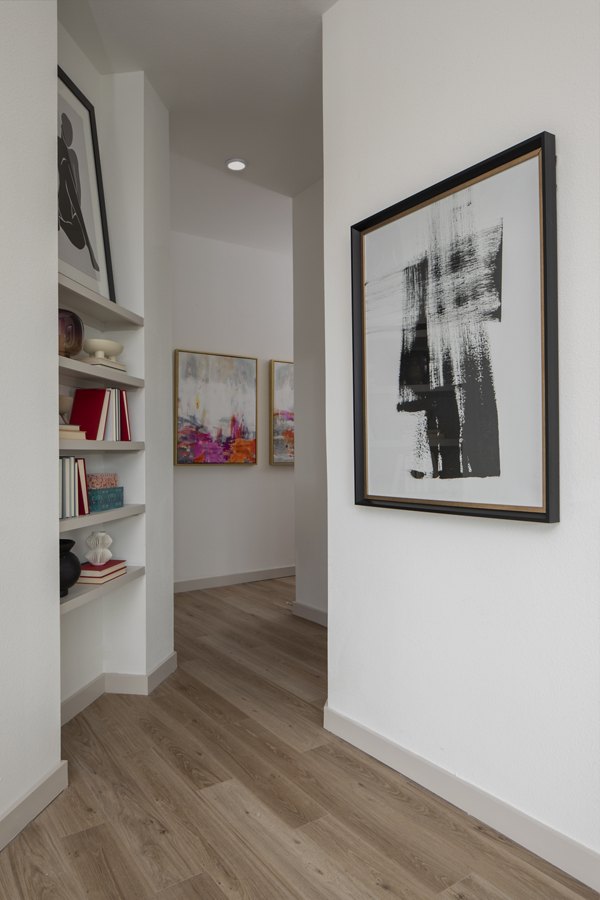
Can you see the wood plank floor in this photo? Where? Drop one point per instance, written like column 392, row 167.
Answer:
column 223, row 784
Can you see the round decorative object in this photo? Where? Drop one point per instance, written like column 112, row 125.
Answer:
column 70, row 333
column 70, row 567
column 98, row 542
column 102, row 348
column 64, row 406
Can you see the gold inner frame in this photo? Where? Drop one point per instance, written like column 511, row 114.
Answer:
column 272, row 462
column 463, row 186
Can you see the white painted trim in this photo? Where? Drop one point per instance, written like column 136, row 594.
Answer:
column 32, row 803
column 162, row 671
column 116, row 683
column 311, row 613
column 200, row 584
column 125, row 683
column 572, row 857
column 78, row 701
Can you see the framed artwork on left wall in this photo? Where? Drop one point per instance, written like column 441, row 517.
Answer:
column 215, row 409
column 83, row 245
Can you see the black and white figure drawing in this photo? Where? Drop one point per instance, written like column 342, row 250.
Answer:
column 70, row 211
column 449, row 320
column 83, row 247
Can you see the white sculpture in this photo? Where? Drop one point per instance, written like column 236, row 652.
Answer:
column 98, row 542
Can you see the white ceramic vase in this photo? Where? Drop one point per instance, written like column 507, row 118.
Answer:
column 98, row 542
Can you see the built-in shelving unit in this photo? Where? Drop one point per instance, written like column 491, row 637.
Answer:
column 101, row 518
column 81, row 594
column 99, row 314
column 76, row 373
column 78, row 447
column 94, row 309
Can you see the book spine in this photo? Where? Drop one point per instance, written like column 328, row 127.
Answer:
column 102, row 499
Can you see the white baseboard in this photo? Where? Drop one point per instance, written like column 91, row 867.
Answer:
column 124, row 683
column 200, row 584
column 311, row 613
column 31, row 805
column 78, row 701
column 572, row 857
column 116, row 683
column 162, row 671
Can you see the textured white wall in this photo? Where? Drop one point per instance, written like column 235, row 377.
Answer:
column 232, row 296
column 310, row 474
column 158, row 368
column 472, row 643
column 29, row 613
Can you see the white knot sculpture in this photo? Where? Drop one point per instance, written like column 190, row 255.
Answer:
column 99, row 542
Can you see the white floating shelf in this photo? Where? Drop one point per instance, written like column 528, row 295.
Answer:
column 94, row 309
column 77, row 373
column 80, row 594
column 110, row 515
column 99, row 446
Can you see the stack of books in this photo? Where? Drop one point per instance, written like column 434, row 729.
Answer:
column 103, row 413
column 70, row 433
column 91, row 574
column 73, row 491
column 103, row 491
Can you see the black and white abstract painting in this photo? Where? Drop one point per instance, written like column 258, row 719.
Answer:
column 83, row 249
column 450, row 347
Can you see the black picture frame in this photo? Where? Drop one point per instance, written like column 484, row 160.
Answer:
column 97, row 204
column 437, row 280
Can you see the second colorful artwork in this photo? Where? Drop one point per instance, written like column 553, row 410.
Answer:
column 282, row 413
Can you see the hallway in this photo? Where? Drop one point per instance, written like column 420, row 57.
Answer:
column 223, row 784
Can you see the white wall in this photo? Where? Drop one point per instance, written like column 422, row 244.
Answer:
column 158, row 393
column 473, row 644
column 310, row 476
column 232, row 293
column 29, row 631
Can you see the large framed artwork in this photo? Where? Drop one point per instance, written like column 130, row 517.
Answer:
column 215, row 409
column 456, row 346
column 83, row 246
column 282, row 413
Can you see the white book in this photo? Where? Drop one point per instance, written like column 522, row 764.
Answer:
column 67, row 488
column 75, row 486
column 111, row 433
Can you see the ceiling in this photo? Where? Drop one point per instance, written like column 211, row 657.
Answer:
column 240, row 77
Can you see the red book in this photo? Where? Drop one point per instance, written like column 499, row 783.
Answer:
column 90, row 407
column 113, row 565
column 125, row 427
column 84, row 506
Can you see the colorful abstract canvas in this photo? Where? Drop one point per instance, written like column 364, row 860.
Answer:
column 282, row 412
column 215, row 409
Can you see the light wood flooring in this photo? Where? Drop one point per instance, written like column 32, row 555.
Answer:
column 223, row 784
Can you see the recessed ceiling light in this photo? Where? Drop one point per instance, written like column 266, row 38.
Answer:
column 236, row 164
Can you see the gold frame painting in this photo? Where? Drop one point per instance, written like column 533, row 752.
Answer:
column 215, row 409
column 281, row 413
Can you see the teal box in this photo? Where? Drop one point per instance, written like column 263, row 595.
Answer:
column 101, row 499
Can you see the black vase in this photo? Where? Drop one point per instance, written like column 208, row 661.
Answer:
column 70, row 567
